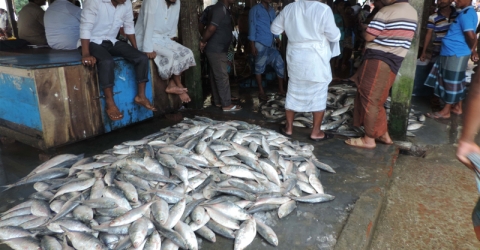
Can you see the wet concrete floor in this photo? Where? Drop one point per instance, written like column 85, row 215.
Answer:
column 362, row 175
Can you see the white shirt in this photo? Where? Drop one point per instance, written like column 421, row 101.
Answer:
column 312, row 33
column 156, row 22
column 3, row 20
column 62, row 24
column 102, row 21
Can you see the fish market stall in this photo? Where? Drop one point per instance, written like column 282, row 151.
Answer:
column 48, row 98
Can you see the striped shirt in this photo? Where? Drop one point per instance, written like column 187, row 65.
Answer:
column 440, row 25
column 394, row 27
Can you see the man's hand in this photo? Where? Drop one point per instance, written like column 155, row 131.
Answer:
column 151, row 55
column 464, row 149
column 423, row 57
column 474, row 56
column 202, row 46
column 89, row 60
column 254, row 49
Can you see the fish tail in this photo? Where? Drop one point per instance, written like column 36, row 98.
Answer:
column 7, row 187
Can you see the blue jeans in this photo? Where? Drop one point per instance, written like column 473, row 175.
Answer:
column 271, row 56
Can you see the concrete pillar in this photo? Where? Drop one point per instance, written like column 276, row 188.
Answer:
column 191, row 39
column 403, row 87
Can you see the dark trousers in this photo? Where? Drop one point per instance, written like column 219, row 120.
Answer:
column 219, row 79
column 104, row 54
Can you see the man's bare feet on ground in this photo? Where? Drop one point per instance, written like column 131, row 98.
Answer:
column 456, row 110
column 175, row 90
column 113, row 113
column 145, row 103
column 385, row 139
column 185, row 97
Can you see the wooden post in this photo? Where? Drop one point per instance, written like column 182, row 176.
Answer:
column 11, row 17
column 191, row 39
column 403, row 87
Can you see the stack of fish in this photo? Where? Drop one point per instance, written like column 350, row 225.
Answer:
column 198, row 178
column 338, row 116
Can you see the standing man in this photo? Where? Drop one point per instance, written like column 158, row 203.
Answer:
column 215, row 41
column 101, row 20
column 62, row 24
column 389, row 37
column 311, row 30
column 156, row 31
column 30, row 23
column 262, row 45
column 466, row 143
column 438, row 24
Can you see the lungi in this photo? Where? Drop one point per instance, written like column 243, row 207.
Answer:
column 375, row 78
column 447, row 77
column 310, row 73
column 172, row 58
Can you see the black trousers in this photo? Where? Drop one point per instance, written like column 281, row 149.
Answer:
column 104, row 54
column 219, row 79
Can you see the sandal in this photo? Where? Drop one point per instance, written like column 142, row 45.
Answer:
column 358, row 143
column 383, row 142
column 325, row 137
column 234, row 98
column 233, row 109
column 282, row 94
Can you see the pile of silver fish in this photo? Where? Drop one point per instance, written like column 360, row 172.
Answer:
column 338, row 116
column 200, row 177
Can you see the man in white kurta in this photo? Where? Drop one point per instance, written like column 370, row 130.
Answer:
column 156, row 31
column 312, row 41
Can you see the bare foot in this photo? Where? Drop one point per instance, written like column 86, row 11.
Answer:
column 317, row 135
column 385, row 139
column 144, row 102
column 185, row 97
column 175, row 90
column 114, row 113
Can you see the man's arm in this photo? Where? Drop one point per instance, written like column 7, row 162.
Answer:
column 206, row 36
column 217, row 17
column 375, row 28
column 149, row 26
column 428, row 38
column 87, row 22
column 252, row 25
column 471, row 123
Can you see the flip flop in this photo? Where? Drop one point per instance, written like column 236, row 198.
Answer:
column 233, row 109
column 281, row 129
column 326, row 137
column 358, row 143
